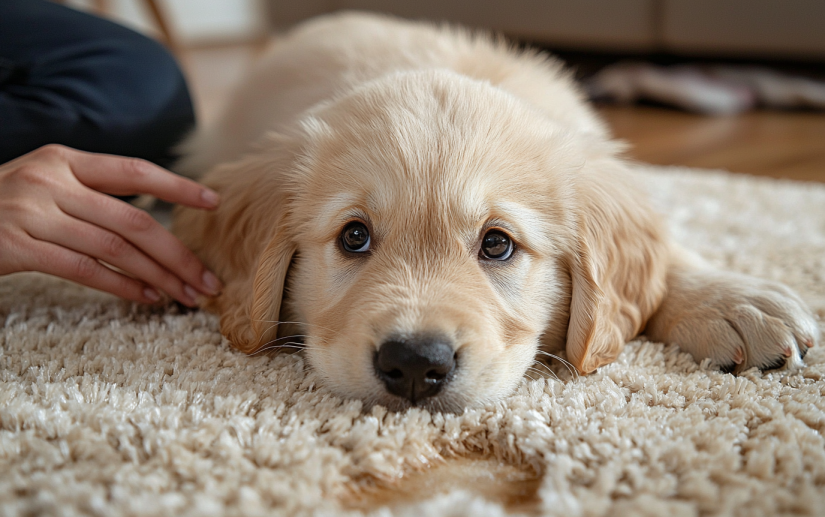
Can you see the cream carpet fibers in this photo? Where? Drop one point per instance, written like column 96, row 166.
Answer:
column 107, row 408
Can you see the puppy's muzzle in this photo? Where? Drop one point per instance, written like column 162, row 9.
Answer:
column 415, row 367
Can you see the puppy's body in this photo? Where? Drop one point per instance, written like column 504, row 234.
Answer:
column 333, row 55
column 433, row 142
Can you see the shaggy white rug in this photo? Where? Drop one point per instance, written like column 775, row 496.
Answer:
column 108, row 408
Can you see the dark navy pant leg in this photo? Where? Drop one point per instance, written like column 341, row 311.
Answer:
column 71, row 78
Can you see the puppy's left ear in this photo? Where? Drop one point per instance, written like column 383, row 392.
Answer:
column 618, row 269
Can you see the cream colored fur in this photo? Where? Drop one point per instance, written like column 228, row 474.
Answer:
column 431, row 136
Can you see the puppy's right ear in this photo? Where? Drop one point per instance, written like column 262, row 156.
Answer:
column 247, row 241
column 253, row 323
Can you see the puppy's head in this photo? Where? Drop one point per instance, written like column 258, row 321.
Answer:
column 432, row 230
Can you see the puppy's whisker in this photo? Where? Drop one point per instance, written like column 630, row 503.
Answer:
column 294, row 336
column 531, row 369
column 570, row 368
column 302, row 344
column 276, row 347
column 527, row 374
column 291, row 345
column 541, row 374
column 277, row 322
column 545, row 366
column 271, row 345
column 550, row 371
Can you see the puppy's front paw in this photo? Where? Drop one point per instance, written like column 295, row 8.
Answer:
column 738, row 321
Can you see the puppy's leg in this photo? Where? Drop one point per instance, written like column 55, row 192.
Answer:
column 737, row 320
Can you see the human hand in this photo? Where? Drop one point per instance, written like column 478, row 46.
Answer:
column 56, row 218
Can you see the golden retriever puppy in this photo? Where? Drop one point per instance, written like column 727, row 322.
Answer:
column 432, row 207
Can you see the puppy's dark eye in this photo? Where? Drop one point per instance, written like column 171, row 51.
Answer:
column 355, row 238
column 496, row 245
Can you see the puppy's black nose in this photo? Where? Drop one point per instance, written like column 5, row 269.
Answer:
column 415, row 368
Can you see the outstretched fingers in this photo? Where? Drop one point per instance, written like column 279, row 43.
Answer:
column 148, row 236
column 121, row 176
column 109, row 247
column 59, row 261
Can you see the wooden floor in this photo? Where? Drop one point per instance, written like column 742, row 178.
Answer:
column 781, row 144
column 769, row 143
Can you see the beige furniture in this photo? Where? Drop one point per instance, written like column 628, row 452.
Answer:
column 744, row 28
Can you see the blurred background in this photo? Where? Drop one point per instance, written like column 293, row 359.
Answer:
column 731, row 84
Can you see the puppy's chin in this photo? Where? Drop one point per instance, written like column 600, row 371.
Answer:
column 444, row 403
column 482, row 379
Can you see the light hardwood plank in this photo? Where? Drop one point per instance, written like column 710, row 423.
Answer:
column 781, row 144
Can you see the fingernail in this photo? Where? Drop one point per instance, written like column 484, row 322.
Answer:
column 190, row 292
column 151, row 294
column 212, row 282
column 210, row 197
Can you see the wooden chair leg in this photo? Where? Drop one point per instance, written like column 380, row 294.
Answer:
column 102, row 7
column 160, row 20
